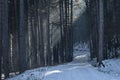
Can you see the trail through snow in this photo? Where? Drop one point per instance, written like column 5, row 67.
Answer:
column 78, row 69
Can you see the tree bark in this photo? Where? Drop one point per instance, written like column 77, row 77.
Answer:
column 41, row 44
column 22, row 41
column 5, row 37
column 48, row 51
column 101, row 30
column 0, row 36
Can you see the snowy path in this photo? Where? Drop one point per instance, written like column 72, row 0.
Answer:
column 79, row 69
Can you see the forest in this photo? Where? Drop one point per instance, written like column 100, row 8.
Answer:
column 50, row 38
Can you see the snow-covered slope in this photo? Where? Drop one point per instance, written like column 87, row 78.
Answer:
column 79, row 69
column 112, row 67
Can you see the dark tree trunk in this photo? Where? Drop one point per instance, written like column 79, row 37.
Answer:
column 5, row 38
column 41, row 44
column 55, row 54
column 101, row 30
column 71, row 31
column 0, row 36
column 48, row 51
column 61, row 31
column 22, row 41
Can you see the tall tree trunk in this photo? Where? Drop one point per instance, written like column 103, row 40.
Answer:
column 71, row 31
column 0, row 36
column 101, row 30
column 66, row 32
column 22, row 41
column 41, row 44
column 48, row 51
column 61, row 32
column 5, row 37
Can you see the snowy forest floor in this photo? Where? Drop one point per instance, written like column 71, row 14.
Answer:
column 79, row 69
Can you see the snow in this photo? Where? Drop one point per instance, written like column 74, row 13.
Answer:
column 79, row 69
column 112, row 67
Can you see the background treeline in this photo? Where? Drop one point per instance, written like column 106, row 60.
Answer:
column 34, row 33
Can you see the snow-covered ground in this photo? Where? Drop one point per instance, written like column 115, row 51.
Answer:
column 78, row 69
